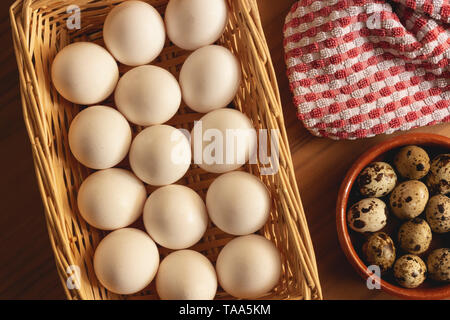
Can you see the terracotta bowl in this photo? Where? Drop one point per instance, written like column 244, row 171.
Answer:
column 351, row 242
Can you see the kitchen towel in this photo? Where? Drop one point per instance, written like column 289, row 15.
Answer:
column 358, row 68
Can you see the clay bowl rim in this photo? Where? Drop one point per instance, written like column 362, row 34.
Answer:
column 425, row 139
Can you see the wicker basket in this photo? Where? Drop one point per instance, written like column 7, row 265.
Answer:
column 39, row 31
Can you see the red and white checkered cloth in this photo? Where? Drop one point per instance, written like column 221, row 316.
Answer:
column 358, row 68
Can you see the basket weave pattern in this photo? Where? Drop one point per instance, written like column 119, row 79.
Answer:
column 39, row 32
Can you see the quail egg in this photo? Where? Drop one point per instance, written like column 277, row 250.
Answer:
column 439, row 175
column 412, row 162
column 415, row 236
column 410, row 271
column 379, row 250
column 367, row 215
column 377, row 180
column 438, row 263
column 438, row 213
column 408, row 200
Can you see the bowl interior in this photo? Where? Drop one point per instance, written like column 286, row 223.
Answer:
column 351, row 242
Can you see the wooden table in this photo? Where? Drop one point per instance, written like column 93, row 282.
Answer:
column 27, row 269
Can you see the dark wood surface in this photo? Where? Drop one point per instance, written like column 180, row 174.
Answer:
column 27, row 268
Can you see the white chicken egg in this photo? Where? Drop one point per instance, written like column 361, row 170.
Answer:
column 238, row 203
column 186, row 275
column 223, row 140
column 210, row 78
column 134, row 33
column 126, row 261
column 111, row 199
column 175, row 217
column 248, row 267
column 84, row 73
column 99, row 137
column 148, row 95
column 160, row 155
column 192, row 24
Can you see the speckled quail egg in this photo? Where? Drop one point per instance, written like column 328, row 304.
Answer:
column 439, row 176
column 438, row 213
column 414, row 236
column 409, row 198
column 379, row 250
column 438, row 263
column 367, row 215
column 377, row 180
column 410, row 271
column 412, row 162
